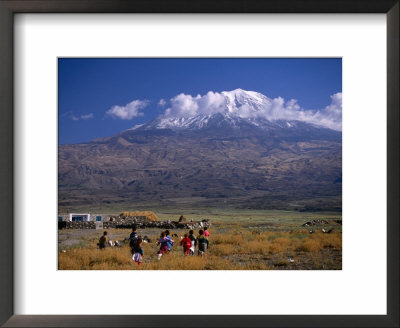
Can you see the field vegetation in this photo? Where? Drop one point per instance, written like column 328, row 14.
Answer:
column 279, row 243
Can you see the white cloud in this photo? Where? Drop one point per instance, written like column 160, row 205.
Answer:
column 330, row 116
column 87, row 116
column 129, row 111
column 162, row 102
column 248, row 104
column 67, row 114
column 73, row 117
column 187, row 106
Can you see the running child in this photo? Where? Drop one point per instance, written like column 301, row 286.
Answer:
column 170, row 240
column 186, row 243
column 206, row 233
column 163, row 242
column 103, row 241
column 202, row 242
column 133, row 238
column 193, row 239
column 137, row 252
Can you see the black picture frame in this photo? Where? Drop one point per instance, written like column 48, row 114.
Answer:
column 10, row 7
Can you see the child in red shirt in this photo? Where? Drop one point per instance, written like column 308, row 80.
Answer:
column 186, row 243
column 206, row 233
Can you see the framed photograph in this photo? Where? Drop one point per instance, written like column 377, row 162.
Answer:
column 243, row 152
column 225, row 180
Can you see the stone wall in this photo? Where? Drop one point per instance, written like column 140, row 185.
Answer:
column 175, row 224
column 129, row 222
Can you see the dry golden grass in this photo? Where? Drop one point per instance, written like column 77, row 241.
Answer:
column 173, row 260
column 309, row 245
column 228, row 239
column 232, row 249
column 253, row 247
column 333, row 240
column 319, row 241
column 95, row 259
column 280, row 244
column 221, row 250
column 150, row 215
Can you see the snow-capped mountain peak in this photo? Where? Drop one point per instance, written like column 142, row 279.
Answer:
column 237, row 99
column 228, row 107
column 235, row 109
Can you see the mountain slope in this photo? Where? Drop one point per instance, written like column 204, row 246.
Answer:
column 210, row 159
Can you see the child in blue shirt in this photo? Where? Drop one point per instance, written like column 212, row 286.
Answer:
column 170, row 241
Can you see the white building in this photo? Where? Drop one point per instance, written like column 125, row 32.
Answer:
column 79, row 217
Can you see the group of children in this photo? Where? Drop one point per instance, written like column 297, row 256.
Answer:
column 188, row 242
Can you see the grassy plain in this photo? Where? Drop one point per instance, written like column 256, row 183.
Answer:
column 240, row 240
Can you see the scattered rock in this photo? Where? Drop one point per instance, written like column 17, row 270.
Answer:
column 317, row 222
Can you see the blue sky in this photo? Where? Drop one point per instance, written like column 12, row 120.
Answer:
column 88, row 88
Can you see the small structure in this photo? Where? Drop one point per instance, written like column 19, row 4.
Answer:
column 75, row 217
